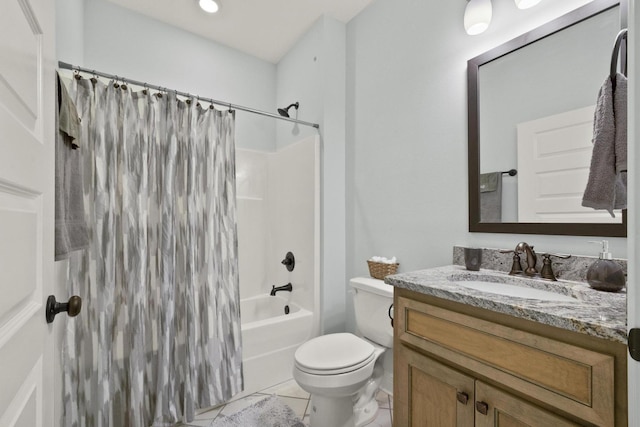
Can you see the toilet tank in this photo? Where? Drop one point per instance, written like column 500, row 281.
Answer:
column 371, row 300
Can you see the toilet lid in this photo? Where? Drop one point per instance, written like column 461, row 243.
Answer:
column 333, row 353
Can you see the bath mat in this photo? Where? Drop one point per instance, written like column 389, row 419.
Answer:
column 268, row 412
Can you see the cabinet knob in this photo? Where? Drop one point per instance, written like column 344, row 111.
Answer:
column 462, row 397
column 482, row 407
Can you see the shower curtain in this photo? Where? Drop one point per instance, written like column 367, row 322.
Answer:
column 159, row 331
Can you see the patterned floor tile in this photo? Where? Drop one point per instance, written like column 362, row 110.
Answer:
column 383, row 400
column 296, row 398
column 289, row 389
column 238, row 405
column 383, row 419
column 210, row 414
column 299, row 406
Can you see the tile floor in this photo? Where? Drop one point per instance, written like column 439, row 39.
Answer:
column 296, row 398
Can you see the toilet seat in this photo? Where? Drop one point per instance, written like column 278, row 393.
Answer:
column 334, row 354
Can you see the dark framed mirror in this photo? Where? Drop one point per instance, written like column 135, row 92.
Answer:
column 530, row 110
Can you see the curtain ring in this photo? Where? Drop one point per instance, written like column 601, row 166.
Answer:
column 146, row 89
column 76, row 75
column 115, row 82
column 94, row 79
column 123, row 86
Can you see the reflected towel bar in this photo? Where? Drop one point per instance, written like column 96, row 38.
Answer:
column 621, row 37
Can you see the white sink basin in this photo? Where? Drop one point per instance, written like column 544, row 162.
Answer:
column 514, row 291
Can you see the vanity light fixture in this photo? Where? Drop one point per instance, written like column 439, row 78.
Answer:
column 477, row 16
column 209, row 6
column 526, row 4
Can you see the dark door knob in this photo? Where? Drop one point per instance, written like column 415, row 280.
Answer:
column 72, row 307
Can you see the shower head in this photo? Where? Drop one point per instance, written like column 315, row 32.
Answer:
column 284, row 112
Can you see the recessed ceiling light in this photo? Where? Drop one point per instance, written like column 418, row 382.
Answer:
column 209, row 6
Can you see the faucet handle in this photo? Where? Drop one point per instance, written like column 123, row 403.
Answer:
column 289, row 261
column 561, row 256
column 547, row 271
column 516, row 267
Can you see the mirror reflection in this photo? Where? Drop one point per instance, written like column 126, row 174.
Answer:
column 531, row 117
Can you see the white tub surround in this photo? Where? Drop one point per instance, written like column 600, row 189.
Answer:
column 278, row 212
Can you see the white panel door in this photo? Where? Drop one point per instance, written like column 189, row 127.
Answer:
column 26, row 211
column 554, row 156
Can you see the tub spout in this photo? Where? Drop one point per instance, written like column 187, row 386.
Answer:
column 288, row 287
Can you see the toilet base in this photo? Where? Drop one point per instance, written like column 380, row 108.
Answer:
column 366, row 414
column 366, row 406
column 331, row 412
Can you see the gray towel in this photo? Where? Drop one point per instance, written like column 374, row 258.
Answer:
column 606, row 189
column 70, row 224
column 620, row 114
column 491, row 197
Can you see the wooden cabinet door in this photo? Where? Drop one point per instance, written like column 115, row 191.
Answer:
column 430, row 394
column 505, row 410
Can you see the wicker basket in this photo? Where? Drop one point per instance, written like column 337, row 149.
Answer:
column 379, row 270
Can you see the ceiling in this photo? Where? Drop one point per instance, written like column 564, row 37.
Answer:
column 266, row 29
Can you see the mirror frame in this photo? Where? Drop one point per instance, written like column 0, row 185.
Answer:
column 473, row 65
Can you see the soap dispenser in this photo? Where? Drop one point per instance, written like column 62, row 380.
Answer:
column 605, row 274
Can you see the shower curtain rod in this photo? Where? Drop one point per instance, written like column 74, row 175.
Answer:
column 68, row 66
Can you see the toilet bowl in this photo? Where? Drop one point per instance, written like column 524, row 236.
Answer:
column 342, row 371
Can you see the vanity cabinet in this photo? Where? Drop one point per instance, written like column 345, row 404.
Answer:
column 457, row 365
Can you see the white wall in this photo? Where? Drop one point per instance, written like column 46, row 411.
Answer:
column 407, row 131
column 119, row 41
column 313, row 73
column 70, row 31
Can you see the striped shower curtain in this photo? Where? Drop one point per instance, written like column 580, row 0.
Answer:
column 159, row 332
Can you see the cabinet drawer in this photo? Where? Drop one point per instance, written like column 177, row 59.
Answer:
column 573, row 379
column 504, row 409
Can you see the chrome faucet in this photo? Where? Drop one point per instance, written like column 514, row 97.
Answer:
column 288, row 287
column 532, row 258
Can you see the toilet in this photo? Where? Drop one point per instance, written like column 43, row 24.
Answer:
column 343, row 372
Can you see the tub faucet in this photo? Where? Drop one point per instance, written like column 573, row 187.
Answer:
column 288, row 287
column 523, row 247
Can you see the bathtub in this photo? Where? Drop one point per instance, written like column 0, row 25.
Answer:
column 270, row 338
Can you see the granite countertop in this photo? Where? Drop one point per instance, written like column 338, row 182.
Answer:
column 595, row 313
